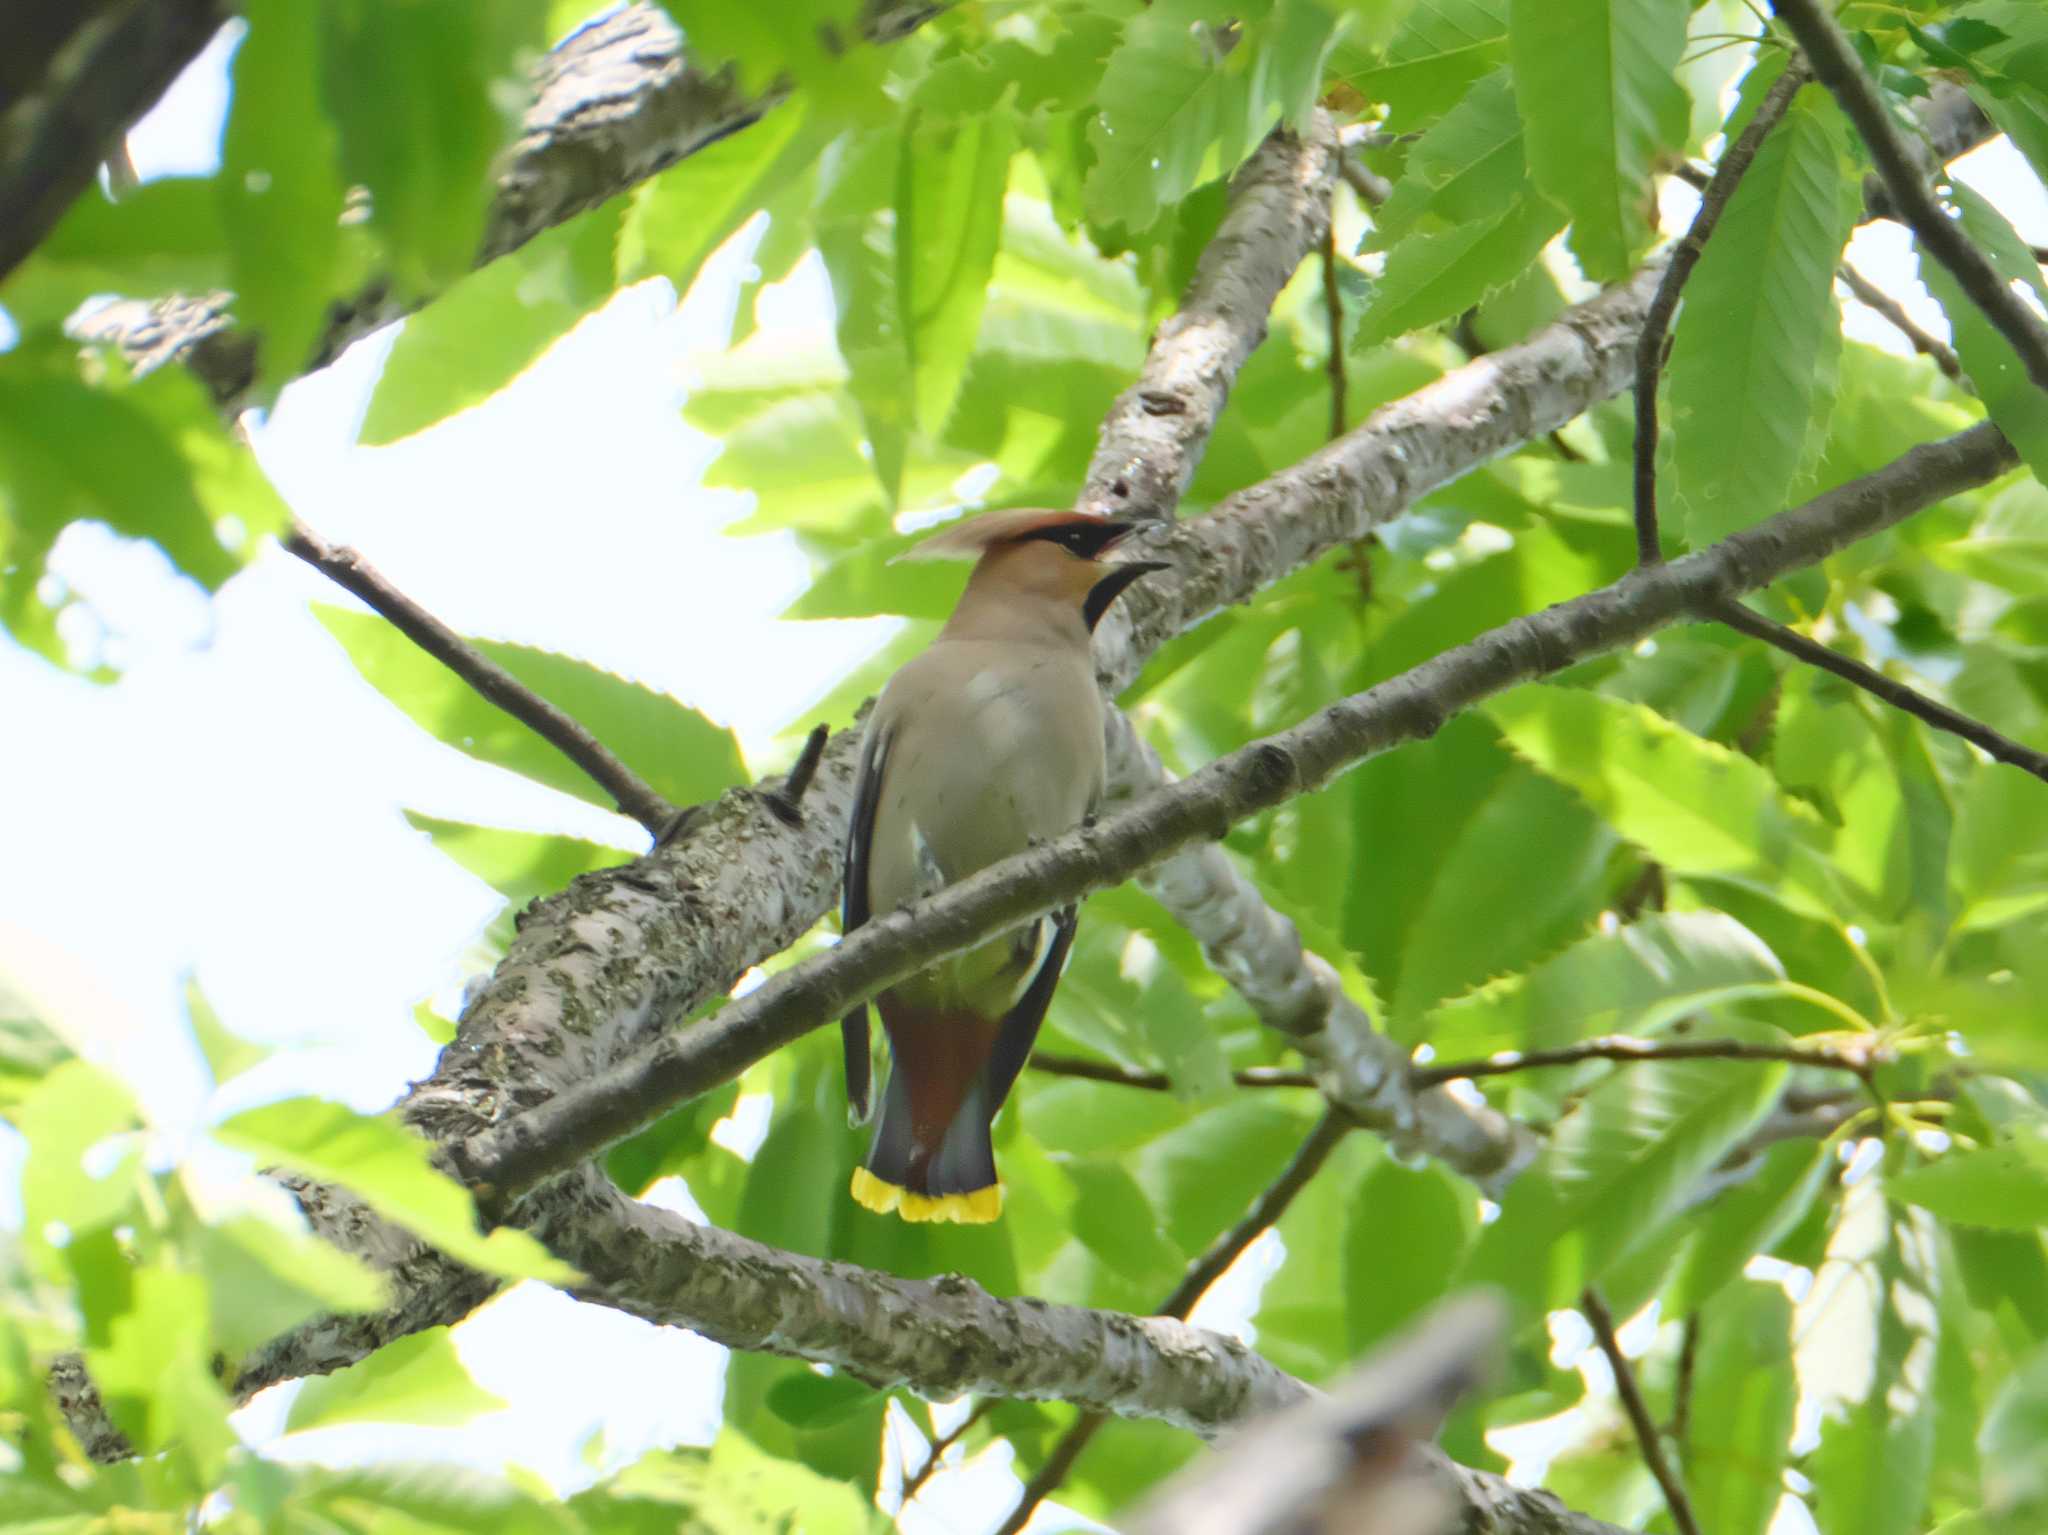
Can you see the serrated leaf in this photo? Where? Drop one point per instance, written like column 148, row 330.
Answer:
column 1694, row 806
column 1464, row 168
column 481, row 333
column 521, row 866
column 1607, row 983
column 417, row 1379
column 949, row 215
column 1741, row 381
column 1596, row 80
column 1432, row 275
column 1617, row 1169
column 681, row 754
column 391, row 1170
column 1742, row 1405
column 1866, row 1336
column 2019, row 408
column 1481, row 920
column 280, row 188
column 1441, row 47
column 2004, row 1187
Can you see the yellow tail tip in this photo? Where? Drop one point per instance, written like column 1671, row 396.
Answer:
column 977, row 1208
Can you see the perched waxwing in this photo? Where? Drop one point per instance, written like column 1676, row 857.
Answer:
column 988, row 742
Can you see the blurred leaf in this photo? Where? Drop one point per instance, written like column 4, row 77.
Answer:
column 84, row 1161
column 281, row 188
column 2004, row 1187
column 1616, row 1169
column 681, row 754
column 1406, row 1237
column 1112, row 1218
column 163, row 236
column 521, row 866
column 1741, row 1417
column 949, row 215
column 29, row 1049
column 485, row 330
column 263, row 1279
column 1663, row 966
column 1865, row 1343
column 670, row 1143
column 1595, row 79
column 418, row 1379
column 1693, row 806
column 227, row 1055
column 1758, row 310
column 800, row 38
column 676, row 219
column 1746, row 1220
column 2015, row 1428
column 390, row 1169
column 2019, row 408
column 153, row 1375
column 415, row 93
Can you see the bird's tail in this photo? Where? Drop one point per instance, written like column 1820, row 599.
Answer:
column 947, row 1176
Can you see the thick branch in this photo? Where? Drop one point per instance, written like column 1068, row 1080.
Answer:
column 1897, row 694
column 350, row 571
column 678, row 1065
column 1838, row 69
column 1154, row 436
column 617, row 102
column 1685, row 255
column 73, row 79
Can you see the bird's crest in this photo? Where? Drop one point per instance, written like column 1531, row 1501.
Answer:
column 972, row 537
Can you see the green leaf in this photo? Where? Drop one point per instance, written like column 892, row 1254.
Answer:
column 2015, row 1428
column 415, row 93
column 281, row 189
column 676, row 219
column 161, row 237
column 1616, row 1170
column 29, row 1049
column 1112, row 1218
column 1481, row 920
column 1463, row 169
column 1865, row 1341
column 682, row 755
column 1746, row 1220
column 154, row 1377
column 1695, row 807
column 800, row 38
column 2004, row 1187
column 1759, row 308
column 1442, row 47
column 1387, row 1284
column 1742, row 1405
column 417, row 1379
column 949, row 215
column 1598, row 90
column 227, row 1055
column 391, row 1170
column 1665, row 965
column 2019, row 408
column 1181, row 104
column 521, row 866
column 1432, row 275
column 481, row 333
column 263, row 1279
column 74, row 1110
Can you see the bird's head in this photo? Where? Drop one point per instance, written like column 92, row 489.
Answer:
column 1051, row 555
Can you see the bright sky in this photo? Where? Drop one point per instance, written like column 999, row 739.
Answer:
column 230, row 808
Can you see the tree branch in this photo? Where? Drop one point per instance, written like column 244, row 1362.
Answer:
column 1897, row 694
column 1647, row 1439
column 557, row 1134
column 1881, row 303
column 1685, row 256
column 350, row 571
column 1157, row 1081
column 1837, row 68
column 614, row 103
column 73, row 79
column 1616, row 1047
column 1153, row 439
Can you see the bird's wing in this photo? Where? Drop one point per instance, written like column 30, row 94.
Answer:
column 1020, row 1023
column 853, row 909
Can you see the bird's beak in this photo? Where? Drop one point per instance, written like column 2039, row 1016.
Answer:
column 1114, row 584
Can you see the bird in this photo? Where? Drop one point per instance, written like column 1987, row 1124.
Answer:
column 987, row 743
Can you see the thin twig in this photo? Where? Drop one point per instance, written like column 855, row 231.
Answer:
column 348, row 570
column 1838, row 69
column 1889, row 309
column 1684, row 257
column 1638, row 1414
column 1621, row 1048
column 1897, row 694
column 1158, row 1081
column 1681, row 1392
column 914, row 1483
column 1333, row 313
column 1265, row 1213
